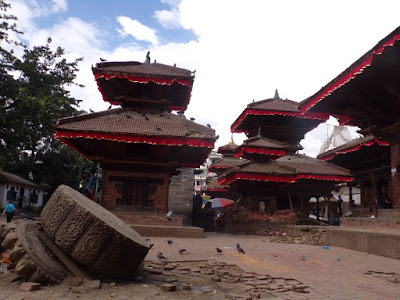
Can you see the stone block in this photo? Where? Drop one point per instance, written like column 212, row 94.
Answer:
column 93, row 284
column 168, row 287
column 30, row 286
column 92, row 235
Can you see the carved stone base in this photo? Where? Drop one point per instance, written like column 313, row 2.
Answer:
column 32, row 259
column 92, row 235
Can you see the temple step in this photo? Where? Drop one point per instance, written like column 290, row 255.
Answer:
column 367, row 222
column 168, row 231
column 146, row 218
column 389, row 213
column 384, row 242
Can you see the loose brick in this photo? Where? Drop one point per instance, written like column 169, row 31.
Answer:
column 168, row 287
column 30, row 286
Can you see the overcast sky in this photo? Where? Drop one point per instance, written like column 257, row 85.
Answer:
column 241, row 50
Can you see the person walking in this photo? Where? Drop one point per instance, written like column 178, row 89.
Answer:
column 9, row 210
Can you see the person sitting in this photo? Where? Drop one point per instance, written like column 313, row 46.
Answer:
column 374, row 209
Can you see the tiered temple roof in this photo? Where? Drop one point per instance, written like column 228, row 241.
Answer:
column 95, row 136
column 278, row 119
column 362, row 156
column 144, row 84
column 352, row 95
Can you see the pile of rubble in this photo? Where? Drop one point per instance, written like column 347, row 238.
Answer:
column 74, row 236
column 392, row 277
column 309, row 236
column 219, row 278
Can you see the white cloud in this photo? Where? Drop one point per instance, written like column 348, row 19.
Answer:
column 243, row 52
column 169, row 19
column 59, row 5
column 137, row 30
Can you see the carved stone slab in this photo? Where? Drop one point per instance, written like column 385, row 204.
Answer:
column 92, row 235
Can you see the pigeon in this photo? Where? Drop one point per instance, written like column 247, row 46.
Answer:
column 102, row 59
column 169, row 214
column 181, row 251
column 158, row 128
column 91, row 111
column 208, row 125
column 109, row 107
column 219, row 251
column 161, row 256
column 239, row 249
column 192, row 119
column 169, row 242
column 144, row 115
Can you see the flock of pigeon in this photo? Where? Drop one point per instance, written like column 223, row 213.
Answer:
column 181, row 251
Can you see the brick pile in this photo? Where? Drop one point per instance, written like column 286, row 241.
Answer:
column 216, row 277
column 308, row 236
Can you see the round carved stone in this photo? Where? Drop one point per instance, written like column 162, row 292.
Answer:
column 33, row 260
column 92, row 235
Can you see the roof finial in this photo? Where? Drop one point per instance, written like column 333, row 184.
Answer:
column 231, row 142
column 276, row 97
column 147, row 61
column 259, row 133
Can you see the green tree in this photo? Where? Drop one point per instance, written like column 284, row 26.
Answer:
column 33, row 95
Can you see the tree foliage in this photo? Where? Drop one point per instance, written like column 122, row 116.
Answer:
column 33, row 95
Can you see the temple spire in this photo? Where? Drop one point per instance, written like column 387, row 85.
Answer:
column 231, row 142
column 259, row 133
column 147, row 61
column 276, row 96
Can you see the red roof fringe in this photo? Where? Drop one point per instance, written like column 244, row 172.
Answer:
column 256, row 177
column 287, row 179
column 217, row 190
column 311, row 115
column 347, row 77
column 161, row 81
column 355, row 148
column 263, row 151
column 165, row 141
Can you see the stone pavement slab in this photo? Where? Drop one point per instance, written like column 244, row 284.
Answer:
column 333, row 273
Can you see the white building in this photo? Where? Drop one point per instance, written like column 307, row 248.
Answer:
column 20, row 191
column 201, row 175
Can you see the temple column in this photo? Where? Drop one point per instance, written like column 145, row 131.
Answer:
column 395, row 165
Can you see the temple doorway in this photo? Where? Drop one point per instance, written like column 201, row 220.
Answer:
column 135, row 193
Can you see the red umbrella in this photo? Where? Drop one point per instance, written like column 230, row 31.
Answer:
column 221, row 203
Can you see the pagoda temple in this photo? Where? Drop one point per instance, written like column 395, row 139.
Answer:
column 368, row 160
column 367, row 95
column 271, row 172
column 142, row 143
column 228, row 161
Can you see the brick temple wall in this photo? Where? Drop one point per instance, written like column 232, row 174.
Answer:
column 181, row 190
column 395, row 164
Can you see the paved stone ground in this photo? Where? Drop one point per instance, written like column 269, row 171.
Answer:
column 333, row 273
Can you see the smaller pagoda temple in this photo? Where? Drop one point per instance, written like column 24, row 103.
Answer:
column 367, row 95
column 272, row 176
column 227, row 162
column 368, row 160
column 142, row 143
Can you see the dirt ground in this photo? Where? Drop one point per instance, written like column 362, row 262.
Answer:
column 198, row 280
